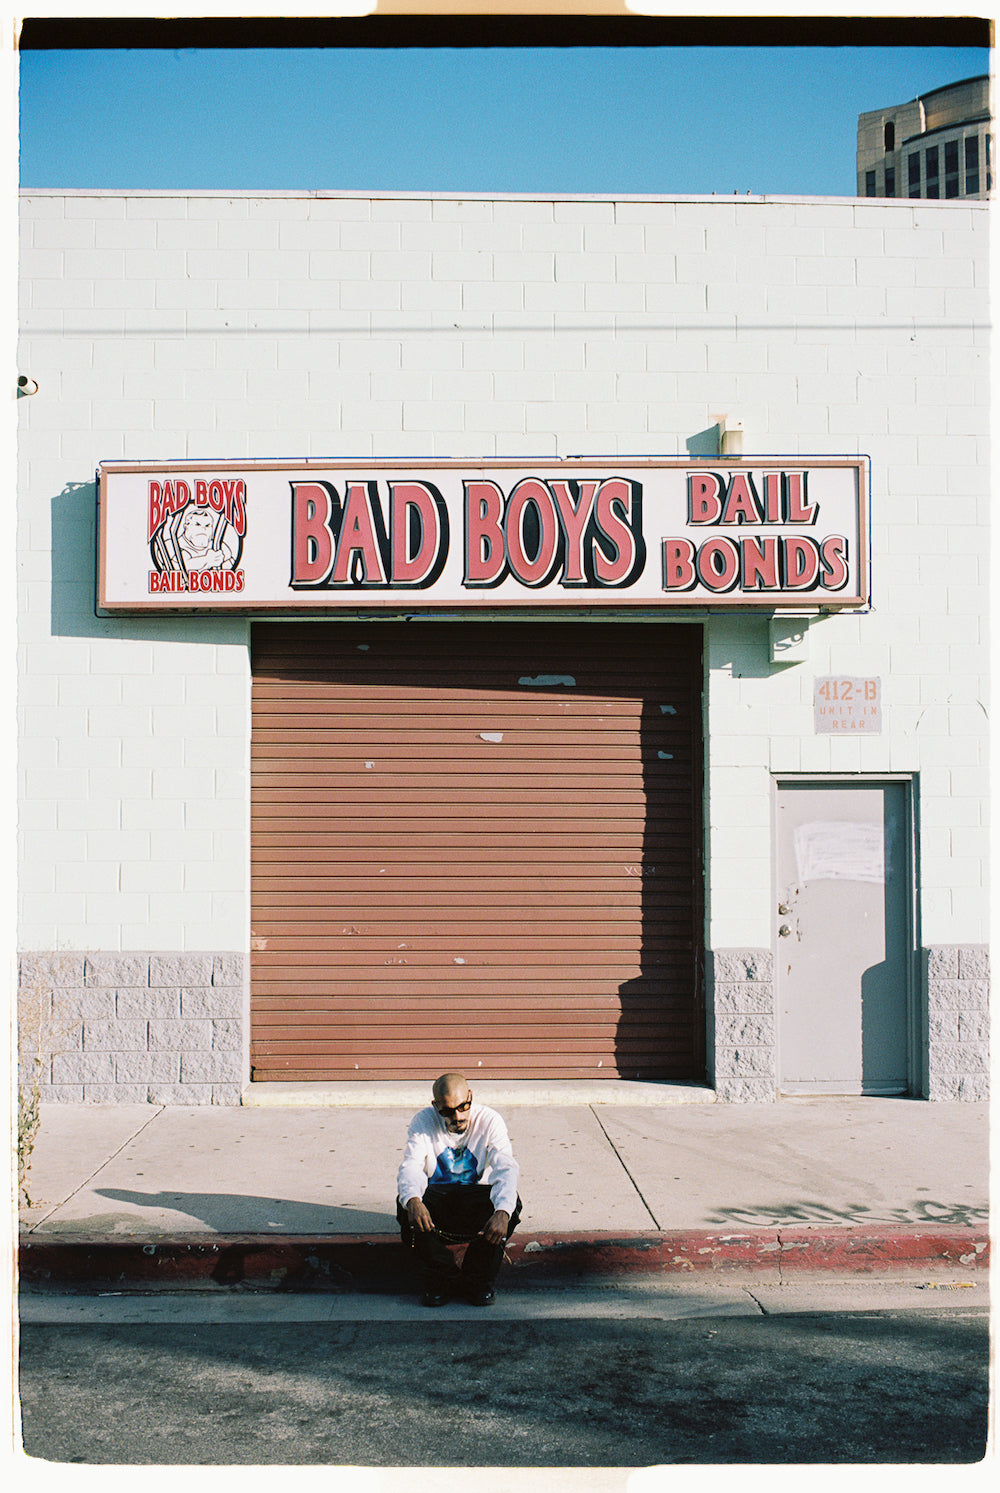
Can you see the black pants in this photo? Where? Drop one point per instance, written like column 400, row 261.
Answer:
column 459, row 1212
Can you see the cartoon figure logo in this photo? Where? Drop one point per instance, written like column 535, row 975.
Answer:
column 196, row 536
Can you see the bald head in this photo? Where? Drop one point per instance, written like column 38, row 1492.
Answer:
column 452, row 1100
column 450, row 1084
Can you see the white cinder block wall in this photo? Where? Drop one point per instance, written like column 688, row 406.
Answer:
column 284, row 325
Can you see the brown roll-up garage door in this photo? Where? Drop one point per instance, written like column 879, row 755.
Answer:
column 476, row 846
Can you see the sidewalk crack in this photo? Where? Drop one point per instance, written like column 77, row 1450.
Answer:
column 656, row 1223
column 100, row 1167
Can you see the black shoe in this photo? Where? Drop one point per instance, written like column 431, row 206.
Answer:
column 482, row 1298
column 435, row 1298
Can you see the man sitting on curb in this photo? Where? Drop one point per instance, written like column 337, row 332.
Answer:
column 457, row 1181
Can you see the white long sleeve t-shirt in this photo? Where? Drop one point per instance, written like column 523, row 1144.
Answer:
column 481, row 1154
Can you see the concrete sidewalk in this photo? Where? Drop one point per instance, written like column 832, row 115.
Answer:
column 296, row 1188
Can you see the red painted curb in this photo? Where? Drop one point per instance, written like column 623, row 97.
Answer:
column 778, row 1250
column 373, row 1262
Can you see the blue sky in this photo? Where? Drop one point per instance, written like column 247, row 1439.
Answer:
column 533, row 119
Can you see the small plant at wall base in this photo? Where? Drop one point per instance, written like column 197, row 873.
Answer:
column 32, row 1009
column 37, row 1035
column 28, row 1120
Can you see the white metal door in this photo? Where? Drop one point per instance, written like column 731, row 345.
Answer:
column 844, row 938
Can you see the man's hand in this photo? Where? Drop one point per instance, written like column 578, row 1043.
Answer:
column 420, row 1219
column 495, row 1229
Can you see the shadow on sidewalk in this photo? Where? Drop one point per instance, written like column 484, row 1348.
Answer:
column 239, row 1213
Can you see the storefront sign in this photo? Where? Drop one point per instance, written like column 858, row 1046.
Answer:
column 286, row 536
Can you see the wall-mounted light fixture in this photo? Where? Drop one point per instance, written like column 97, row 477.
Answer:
column 730, row 436
column 26, row 385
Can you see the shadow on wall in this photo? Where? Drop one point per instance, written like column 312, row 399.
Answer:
column 704, row 442
column 741, row 644
column 885, row 1017
column 74, row 584
column 664, row 1008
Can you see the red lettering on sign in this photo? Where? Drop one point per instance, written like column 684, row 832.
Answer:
column 742, row 506
column 155, row 508
column 678, row 565
column 574, row 518
column 833, row 552
column 615, row 509
column 712, row 499
column 215, row 580
column 164, row 499
column 415, row 506
column 772, row 497
column 790, row 562
column 236, row 510
column 801, row 562
column 531, row 501
column 718, row 563
column 357, row 537
column 704, row 506
column 312, row 538
column 799, row 511
column 759, row 557
column 485, row 558
column 226, row 494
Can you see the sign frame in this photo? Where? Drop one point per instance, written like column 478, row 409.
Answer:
column 726, row 518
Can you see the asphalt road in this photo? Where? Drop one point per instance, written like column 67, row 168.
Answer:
column 630, row 1378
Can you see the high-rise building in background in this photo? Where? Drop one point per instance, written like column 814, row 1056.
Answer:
column 938, row 145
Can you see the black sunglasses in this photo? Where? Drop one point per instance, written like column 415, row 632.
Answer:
column 449, row 1111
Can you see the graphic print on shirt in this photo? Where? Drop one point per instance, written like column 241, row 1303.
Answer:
column 456, row 1166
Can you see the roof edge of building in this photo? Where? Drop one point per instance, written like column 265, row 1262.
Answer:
column 334, row 194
